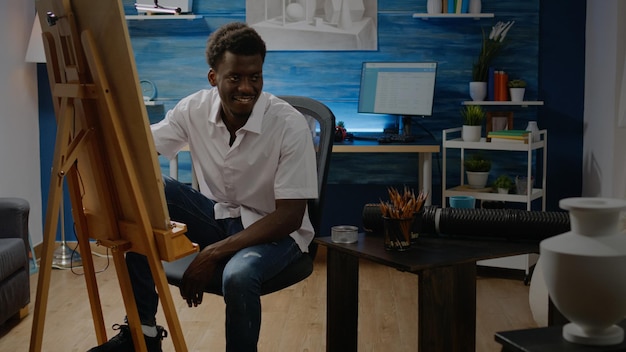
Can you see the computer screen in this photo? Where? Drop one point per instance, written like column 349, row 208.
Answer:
column 398, row 88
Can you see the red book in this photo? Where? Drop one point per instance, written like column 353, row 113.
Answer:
column 497, row 78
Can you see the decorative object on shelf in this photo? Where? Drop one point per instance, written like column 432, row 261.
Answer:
column 584, row 271
column 517, row 88
column 503, row 184
column 340, row 132
column 398, row 216
column 475, row 6
column 534, row 129
column 462, row 202
column 478, row 90
column 148, row 90
column 489, row 49
column 473, row 116
column 499, row 121
column 521, row 184
column 477, row 169
column 434, row 6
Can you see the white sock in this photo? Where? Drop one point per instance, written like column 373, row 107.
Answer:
column 150, row 331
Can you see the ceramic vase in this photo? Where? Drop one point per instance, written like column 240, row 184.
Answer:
column 433, row 6
column 584, row 271
column 470, row 133
column 478, row 90
column 475, row 6
column 534, row 129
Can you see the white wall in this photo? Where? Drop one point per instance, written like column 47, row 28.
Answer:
column 19, row 119
column 604, row 140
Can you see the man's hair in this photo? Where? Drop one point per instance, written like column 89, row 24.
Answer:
column 237, row 38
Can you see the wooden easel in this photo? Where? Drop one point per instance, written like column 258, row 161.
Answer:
column 104, row 149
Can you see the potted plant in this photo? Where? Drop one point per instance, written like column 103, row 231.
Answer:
column 477, row 169
column 340, row 132
column 473, row 116
column 490, row 47
column 517, row 88
column 503, row 184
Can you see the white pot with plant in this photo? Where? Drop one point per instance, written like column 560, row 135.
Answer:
column 517, row 88
column 473, row 117
column 477, row 170
column 503, row 184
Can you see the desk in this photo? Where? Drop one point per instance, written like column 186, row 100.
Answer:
column 446, row 287
column 548, row 339
column 424, row 152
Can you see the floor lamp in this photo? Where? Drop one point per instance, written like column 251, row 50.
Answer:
column 64, row 257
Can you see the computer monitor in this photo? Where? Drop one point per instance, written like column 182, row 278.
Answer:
column 397, row 88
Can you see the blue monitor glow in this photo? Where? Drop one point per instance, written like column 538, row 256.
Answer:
column 397, row 88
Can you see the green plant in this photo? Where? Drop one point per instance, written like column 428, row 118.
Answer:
column 503, row 181
column 477, row 163
column 473, row 115
column 517, row 83
column 489, row 49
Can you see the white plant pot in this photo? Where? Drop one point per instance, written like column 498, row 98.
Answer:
column 471, row 133
column 475, row 6
column 517, row 94
column 478, row 90
column 584, row 271
column 477, row 179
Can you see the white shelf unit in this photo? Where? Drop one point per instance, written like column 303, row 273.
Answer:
column 475, row 16
column 451, row 140
column 524, row 103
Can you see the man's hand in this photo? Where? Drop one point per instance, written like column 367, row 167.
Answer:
column 196, row 278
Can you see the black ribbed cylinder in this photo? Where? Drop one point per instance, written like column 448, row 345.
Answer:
column 508, row 224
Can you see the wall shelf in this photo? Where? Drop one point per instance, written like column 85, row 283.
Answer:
column 162, row 17
column 475, row 16
column 524, row 103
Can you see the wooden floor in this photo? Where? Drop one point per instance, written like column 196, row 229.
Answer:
column 294, row 319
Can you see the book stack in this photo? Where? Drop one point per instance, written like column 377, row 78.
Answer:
column 508, row 136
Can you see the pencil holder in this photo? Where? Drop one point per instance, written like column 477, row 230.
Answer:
column 397, row 233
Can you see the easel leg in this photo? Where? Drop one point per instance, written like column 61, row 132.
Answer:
column 129, row 300
column 50, row 227
column 167, row 302
column 83, row 241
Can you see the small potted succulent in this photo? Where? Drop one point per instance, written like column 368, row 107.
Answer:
column 477, row 169
column 503, row 184
column 517, row 88
column 473, row 117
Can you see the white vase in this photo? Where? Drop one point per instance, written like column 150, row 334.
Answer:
column 470, row 133
column 534, row 129
column 478, row 90
column 517, row 94
column 433, row 6
column 477, row 179
column 475, row 6
column 584, row 271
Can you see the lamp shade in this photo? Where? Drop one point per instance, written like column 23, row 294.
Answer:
column 35, row 51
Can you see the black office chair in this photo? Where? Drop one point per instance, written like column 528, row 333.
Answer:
column 303, row 267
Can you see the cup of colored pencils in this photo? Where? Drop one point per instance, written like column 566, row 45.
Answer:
column 398, row 216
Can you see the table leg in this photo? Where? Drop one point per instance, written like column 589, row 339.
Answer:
column 342, row 302
column 426, row 175
column 447, row 308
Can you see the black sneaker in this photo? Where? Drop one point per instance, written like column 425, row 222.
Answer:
column 123, row 342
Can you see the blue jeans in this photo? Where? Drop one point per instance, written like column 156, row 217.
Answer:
column 240, row 278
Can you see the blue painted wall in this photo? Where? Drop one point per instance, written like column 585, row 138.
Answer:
column 170, row 53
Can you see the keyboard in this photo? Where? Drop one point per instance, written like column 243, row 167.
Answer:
column 385, row 138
